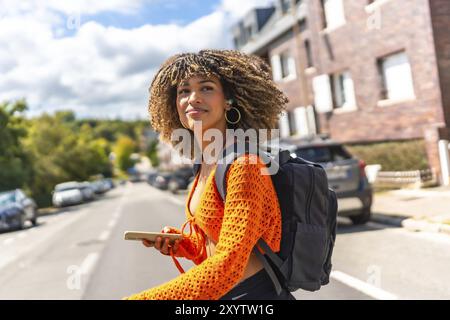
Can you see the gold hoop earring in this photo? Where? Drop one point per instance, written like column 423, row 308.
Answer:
column 239, row 116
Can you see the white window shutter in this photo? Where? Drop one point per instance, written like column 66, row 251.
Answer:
column 349, row 91
column 284, row 125
column 322, row 93
column 397, row 72
column 301, row 121
column 311, row 120
column 334, row 13
column 291, row 66
column 276, row 67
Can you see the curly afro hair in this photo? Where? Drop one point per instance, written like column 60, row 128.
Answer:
column 244, row 78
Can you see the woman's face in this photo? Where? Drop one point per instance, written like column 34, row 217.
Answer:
column 202, row 99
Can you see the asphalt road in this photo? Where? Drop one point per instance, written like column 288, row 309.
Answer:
column 80, row 253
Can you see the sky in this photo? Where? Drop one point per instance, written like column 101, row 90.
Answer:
column 98, row 58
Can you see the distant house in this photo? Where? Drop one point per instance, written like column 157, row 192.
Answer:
column 359, row 70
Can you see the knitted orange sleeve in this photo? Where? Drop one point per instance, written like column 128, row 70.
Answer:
column 250, row 209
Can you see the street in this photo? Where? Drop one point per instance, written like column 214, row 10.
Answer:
column 80, row 253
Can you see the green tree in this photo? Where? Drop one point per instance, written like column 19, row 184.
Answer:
column 123, row 150
column 152, row 153
column 14, row 161
column 61, row 154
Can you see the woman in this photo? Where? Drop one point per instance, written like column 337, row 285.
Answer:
column 219, row 89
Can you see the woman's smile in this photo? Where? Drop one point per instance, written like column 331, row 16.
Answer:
column 195, row 112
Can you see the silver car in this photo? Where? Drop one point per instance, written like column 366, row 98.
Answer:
column 67, row 193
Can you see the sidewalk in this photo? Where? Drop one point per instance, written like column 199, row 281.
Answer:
column 416, row 210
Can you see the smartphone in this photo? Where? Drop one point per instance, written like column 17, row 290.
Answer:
column 151, row 236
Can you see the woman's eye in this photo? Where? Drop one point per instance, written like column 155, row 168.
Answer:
column 207, row 88
column 182, row 91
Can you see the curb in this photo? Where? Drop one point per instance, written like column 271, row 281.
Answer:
column 410, row 223
column 396, row 221
column 422, row 225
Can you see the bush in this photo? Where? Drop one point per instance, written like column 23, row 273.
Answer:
column 393, row 156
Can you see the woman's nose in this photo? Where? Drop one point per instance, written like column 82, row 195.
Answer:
column 194, row 98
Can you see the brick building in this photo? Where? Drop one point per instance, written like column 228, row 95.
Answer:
column 359, row 70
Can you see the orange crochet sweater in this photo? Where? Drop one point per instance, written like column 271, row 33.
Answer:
column 251, row 211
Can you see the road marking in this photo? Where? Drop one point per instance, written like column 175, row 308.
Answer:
column 8, row 241
column 21, row 235
column 112, row 223
column 104, row 235
column 362, row 286
column 89, row 263
column 6, row 259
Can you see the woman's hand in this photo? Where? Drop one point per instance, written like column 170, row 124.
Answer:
column 163, row 244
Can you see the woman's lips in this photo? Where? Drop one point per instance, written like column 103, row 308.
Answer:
column 195, row 111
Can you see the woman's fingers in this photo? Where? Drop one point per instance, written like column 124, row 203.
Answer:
column 161, row 244
column 147, row 243
column 158, row 243
column 175, row 246
column 165, row 247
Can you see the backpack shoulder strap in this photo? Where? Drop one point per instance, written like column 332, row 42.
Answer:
column 220, row 178
column 229, row 155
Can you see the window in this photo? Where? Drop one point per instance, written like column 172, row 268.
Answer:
column 286, row 5
column 309, row 60
column 248, row 32
column 333, row 13
column 396, row 78
column 287, row 66
column 305, row 122
column 292, row 124
column 283, row 66
column 343, row 91
column 323, row 99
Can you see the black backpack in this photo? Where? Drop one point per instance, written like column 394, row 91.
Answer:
column 309, row 211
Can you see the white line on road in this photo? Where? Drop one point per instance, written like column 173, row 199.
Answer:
column 104, row 235
column 8, row 241
column 89, row 263
column 21, row 235
column 112, row 223
column 362, row 286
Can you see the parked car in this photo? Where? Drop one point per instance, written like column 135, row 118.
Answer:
column 87, row 191
column 15, row 209
column 67, row 193
column 180, row 179
column 161, row 180
column 110, row 183
column 151, row 177
column 346, row 174
column 100, row 186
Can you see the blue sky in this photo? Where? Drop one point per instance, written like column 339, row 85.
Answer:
column 162, row 12
column 102, row 66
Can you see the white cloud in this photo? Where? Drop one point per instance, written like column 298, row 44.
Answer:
column 99, row 71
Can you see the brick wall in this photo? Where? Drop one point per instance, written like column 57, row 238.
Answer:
column 420, row 28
